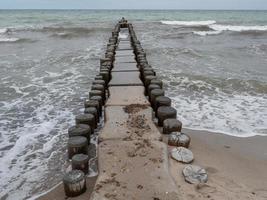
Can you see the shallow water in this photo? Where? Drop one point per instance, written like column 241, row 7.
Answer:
column 213, row 64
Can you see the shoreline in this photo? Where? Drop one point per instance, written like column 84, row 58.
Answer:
column 236, row 168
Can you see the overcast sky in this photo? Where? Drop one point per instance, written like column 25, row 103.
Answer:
column 134, row 4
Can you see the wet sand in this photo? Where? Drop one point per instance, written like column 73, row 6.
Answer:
column 58, row 192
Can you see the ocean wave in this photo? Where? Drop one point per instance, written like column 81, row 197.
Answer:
column 9, row 39
column 74, row 30
column 215, row 29
column 15, row 40
column 235, row 28
column 230, row 106
column 3, row 30
column 190, row 23
column 204, row 33
column 77, row 30
column 210, row 86
column 64, row 35
column 218, row 29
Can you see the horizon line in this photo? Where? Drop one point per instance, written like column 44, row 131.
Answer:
column 141, row 9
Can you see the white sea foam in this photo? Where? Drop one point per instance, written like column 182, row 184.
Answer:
column 4, row 39
column 240, row 115
column 226, row 115
column 219, row 27
column 33, row 124
column 189, row 23
column 216, row 28
column 3, row 30
column 204, row 33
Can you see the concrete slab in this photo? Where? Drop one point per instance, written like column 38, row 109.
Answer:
column 125, row 79
column 125, row 53
column 122, row 46
column 125, row 59
column 134, row 170
column 135, row 95
column 132, row 122
column 124, row 67
column 124, row 42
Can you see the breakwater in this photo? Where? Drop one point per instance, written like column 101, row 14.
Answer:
column 133, row 154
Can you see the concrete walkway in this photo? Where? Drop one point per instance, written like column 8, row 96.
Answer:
column 133, row 162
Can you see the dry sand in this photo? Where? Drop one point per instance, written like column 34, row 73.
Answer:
column 237, row 167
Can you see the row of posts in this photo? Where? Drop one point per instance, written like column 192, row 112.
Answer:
column 79, row 135
column 74, row 181
column 161, row 105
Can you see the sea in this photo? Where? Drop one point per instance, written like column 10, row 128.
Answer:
column 213, row 64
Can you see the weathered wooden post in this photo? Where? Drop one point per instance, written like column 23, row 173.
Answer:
column 80, row 130
column 153, row 95
column 171, row 125
column 88, row 119
column 166, row 112
column 161, row 101
column 77, row 145
column 74, row 183
column 80, row 162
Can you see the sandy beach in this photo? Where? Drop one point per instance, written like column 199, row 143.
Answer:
column 236, row 169
column 213, row 67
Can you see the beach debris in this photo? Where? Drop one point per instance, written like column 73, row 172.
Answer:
column 134, row 108
column 195, row 174
column 171, row 125
column 74, row 183
column 179, row 139
column 182, row 154
column 165, row 112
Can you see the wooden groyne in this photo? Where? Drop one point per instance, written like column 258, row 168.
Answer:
column 133, row 154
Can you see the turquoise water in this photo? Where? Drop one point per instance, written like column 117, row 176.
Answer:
column 213, row 64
